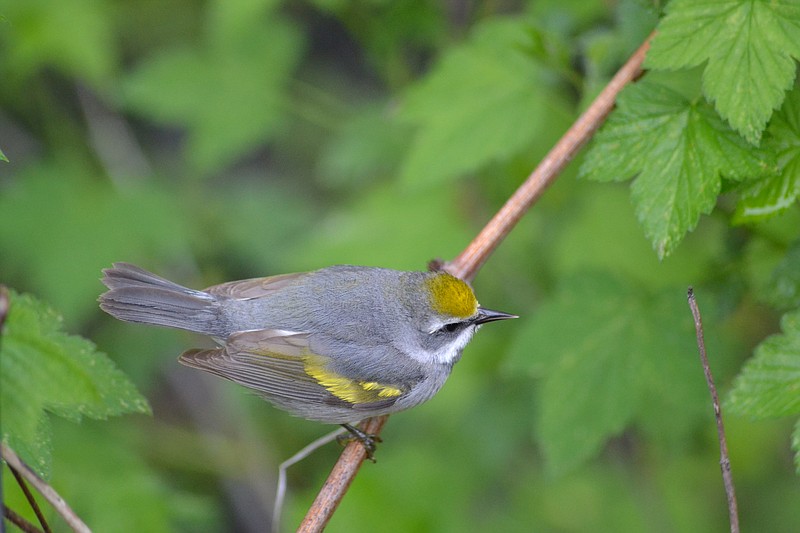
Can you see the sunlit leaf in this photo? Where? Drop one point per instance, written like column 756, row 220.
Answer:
column 774, row 194
column 750, row 46
column 678, row 150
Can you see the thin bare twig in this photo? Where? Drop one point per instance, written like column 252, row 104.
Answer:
column 44, row 489
column 724, row 460
column 467, row 264
column 31, row 500
column 4, row 306
column 18, row 521
column 291, row 461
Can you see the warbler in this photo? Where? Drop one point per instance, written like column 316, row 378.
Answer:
column 335, row 345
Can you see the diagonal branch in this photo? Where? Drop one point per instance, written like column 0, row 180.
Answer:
column 339, row 480
column 467, row 264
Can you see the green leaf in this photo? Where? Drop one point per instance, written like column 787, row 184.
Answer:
column 769, row 384
column 768, row 196
column 3, row 156
column 749, row 46
column 600, row 233
column 775, row 193
column 484, row 101
column 230, row 93
column 368, row 146
column 609, row 355
column 388, row 226
column 679, row 149
column 76, row 37
column 47, row 370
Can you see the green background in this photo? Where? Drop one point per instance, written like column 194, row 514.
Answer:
column 219, row 140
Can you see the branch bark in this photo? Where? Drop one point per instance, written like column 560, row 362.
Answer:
column 339, row 480
column 469, row 262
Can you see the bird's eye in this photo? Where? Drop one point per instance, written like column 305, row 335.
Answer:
column 450, row 328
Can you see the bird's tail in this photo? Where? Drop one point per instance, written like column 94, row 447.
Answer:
column 136, row 295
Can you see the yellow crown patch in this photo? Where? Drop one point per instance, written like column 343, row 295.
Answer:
column 451, row 296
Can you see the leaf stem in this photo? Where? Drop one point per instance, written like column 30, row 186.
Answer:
column 724, row 460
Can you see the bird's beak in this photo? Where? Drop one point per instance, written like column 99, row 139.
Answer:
column 487, row 315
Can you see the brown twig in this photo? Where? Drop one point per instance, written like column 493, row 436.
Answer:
column 724, row 460
column 20, row 522
column 44, row 489
column 4, row 306
column 31, row 500
column 467, row 264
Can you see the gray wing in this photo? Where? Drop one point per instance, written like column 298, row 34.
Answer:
column 280, row 366
column 248, row 289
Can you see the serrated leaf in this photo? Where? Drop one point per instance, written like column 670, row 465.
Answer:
column 229, row 93
column 679, row 150
column 46, row 370
column 769, row 384
column 484, row 101
column 750, row 47
column 773, row 194
column 610, row 354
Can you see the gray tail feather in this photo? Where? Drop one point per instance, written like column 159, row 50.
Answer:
column 136, row 295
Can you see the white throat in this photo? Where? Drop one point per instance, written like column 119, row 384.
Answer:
column 450, row 353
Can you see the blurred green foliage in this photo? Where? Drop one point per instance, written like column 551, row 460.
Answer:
column 80, row 382
column 215, row 140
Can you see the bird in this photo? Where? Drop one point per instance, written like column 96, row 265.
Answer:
column 335, row 345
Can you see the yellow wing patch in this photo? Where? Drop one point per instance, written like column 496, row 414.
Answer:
column 451, row 296
column 349, row 390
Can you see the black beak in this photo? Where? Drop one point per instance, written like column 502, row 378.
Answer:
column 487, row 315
